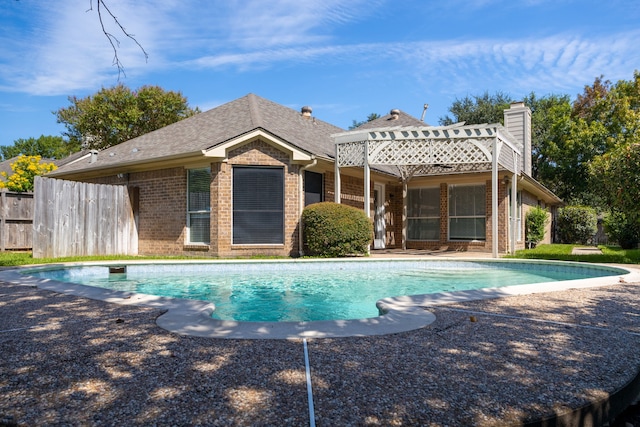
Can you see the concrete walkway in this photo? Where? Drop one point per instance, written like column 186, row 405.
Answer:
column 586, row 250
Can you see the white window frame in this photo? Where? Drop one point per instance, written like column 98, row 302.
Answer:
column 480, row 211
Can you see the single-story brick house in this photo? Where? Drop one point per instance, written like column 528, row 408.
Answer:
column 233, row 181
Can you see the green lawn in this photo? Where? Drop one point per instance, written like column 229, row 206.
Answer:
column 610, row 254
column 10, row 259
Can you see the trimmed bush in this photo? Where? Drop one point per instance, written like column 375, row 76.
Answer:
column 335, row 230
column 622, row 229
column 577, row 224
column 535, row 224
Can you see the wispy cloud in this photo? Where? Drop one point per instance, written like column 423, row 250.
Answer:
column 552, row 63
column 68, row 51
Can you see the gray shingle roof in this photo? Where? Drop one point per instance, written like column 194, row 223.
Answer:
column 214, row 127
column 403, row 119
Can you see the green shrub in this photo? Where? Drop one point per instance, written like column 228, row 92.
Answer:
column 577, row 224
column 335, row 230
column 535, row 224
column 622, row 229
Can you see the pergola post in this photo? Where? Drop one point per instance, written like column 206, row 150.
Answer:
column 405, row 220
column 367, row 181
column 494, row 199
column 336, row 179
column 514, row 213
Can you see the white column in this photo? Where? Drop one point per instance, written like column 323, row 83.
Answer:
column 514, row 212
column 367, row 181
column 336, row 178
column 405, row 220
column 494, row 199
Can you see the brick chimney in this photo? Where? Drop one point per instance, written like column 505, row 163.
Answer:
column 517, row 121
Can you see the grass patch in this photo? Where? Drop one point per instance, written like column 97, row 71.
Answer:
column 610, row 254
column 13, row 259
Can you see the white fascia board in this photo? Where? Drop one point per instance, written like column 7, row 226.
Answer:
column 221, row 151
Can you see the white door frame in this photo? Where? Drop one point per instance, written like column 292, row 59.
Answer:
column 379, row 225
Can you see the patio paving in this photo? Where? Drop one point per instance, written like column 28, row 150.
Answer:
column 69, row 360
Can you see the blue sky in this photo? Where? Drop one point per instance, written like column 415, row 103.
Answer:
column 345, row 59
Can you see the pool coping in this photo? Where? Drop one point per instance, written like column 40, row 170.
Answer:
column 401, row 314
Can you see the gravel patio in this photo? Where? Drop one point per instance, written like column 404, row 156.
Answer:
column 68, row 360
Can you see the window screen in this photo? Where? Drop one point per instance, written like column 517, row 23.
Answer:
column 258, row 205
column 467, row 212
column 313, row 188
column 423, row 214
column 199, row 205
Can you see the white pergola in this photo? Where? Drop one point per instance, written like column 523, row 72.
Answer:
column 428, row 151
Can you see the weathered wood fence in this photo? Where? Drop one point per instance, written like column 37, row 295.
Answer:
column 77, row 218
column 16, row 219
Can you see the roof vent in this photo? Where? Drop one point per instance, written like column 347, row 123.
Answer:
column 306, row 111
column 93, row 156
column 395, row 114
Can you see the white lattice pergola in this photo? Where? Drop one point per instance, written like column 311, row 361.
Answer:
column 424, row 151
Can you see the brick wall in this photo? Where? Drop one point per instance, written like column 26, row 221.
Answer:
column 263, row 154
column 466, row 245
column 161, row 218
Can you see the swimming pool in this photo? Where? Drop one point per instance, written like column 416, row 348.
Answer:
column 315, row 290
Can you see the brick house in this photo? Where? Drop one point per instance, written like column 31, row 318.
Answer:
column 233, row 181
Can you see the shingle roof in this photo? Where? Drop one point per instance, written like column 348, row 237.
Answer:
column 214, row 127
column 403, row 119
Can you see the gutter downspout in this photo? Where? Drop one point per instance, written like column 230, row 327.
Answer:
column 301, row 198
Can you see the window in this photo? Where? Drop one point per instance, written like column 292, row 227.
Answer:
column 467, row 212
column 258, row 205
column 313, row 188
column 199, row 205
column 423, row 214
column 518, row 215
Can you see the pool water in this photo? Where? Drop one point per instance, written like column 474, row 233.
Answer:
column 309, row 291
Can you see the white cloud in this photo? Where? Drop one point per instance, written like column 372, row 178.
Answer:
column 68, row 51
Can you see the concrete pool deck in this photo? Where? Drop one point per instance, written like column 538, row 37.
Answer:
column 504, row 361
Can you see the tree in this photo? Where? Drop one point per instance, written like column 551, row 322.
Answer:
column 117, row 114
column 478, row 109
column 371, row 117
column 536, row 222
column 25, row 169
column 550, row 117
column 48, row 147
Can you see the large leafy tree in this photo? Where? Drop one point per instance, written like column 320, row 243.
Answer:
column 117, row 114
column 47, row 147
column 478, row 109
column 562, row 147
column 617, row 168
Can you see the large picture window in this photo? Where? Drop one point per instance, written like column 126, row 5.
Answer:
column 199, row 205
column 423, row 214
column 258, row 205
column 467, row 212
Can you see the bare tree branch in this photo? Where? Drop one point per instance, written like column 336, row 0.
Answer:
column 113, row 40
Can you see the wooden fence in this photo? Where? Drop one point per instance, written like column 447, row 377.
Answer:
column 16, row 219
column 76, row 218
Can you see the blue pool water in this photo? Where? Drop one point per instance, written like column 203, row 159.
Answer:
column 308, row 291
